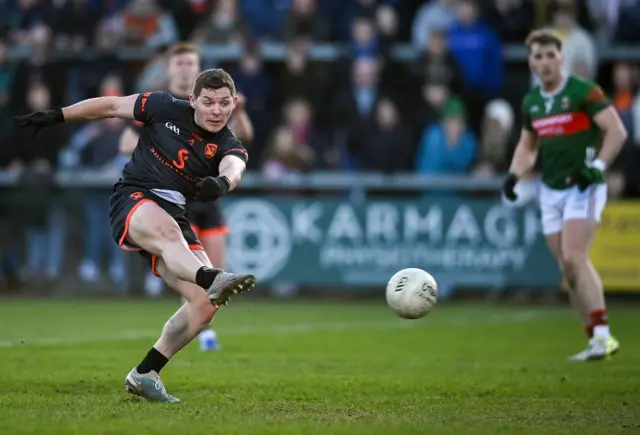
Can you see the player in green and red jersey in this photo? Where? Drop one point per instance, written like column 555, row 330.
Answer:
column 576, row 131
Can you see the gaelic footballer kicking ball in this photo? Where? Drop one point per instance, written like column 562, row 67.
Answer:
column 412, row 293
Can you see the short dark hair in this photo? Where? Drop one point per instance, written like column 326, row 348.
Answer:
column 213, row 79
column 181, row 48
column 543, row 37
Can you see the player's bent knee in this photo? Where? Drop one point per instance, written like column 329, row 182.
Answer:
column 572, row 261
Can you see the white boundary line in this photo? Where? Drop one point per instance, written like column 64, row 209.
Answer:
column 522, row 316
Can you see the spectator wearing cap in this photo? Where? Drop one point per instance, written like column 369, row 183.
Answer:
column 448, row 146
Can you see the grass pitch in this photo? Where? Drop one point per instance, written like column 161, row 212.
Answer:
column 316, row 368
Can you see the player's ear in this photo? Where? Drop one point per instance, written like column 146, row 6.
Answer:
column 235, row 100
column 192, row 101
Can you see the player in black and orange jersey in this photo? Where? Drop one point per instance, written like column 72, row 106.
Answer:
column 182, row 67
column 185, row 151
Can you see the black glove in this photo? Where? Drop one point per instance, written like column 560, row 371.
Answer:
column 40, row 120
column 508, row 187
column 212, row 188
column 588, row 176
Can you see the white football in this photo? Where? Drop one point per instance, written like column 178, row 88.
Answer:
column 412, row 293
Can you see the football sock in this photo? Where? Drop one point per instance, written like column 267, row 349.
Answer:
column 153, row 361
column 600, row 323
column 205, row 277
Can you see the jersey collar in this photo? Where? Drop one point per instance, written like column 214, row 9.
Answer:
column 556, row 91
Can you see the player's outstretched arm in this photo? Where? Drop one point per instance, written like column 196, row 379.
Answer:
column 232, row 167
column 614, row 136
column 128, row 141
column 94, row 108
column 101, row 108
column 523, row 161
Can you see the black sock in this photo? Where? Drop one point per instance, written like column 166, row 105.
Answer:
column 153, row 361
column 205, row 277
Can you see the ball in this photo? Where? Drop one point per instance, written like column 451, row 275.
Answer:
column 412, row 293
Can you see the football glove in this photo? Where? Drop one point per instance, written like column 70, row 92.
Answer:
column 212, row 188
column 40, row 120
column 508, row 187
column 588, row 176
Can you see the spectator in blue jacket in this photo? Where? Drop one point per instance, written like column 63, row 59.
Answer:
column 477, row 50
column 476, row 47
column 447, row 147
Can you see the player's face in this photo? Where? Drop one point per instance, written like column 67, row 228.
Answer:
column 182, row 70
column 546, row 62
column 213, row 108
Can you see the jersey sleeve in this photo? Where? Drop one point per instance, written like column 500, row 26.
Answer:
column 153, row 106
column 595, row 100
column 233, row 147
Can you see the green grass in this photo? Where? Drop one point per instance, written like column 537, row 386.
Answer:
column 316, row 368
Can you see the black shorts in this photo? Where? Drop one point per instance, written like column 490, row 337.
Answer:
column 206, row 218
column 123, row 203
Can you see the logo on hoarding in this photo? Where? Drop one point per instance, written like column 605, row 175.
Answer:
column 259, row 240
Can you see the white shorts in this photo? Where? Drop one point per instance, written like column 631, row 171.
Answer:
column 558, row 206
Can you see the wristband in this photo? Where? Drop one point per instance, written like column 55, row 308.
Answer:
column 59, row 115
column 599, row 164
column 226, row 181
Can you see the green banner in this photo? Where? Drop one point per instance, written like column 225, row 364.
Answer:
column 336, row 242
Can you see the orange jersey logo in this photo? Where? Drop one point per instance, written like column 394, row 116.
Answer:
column 136, row 195
column 210, row 150
column 183, row 156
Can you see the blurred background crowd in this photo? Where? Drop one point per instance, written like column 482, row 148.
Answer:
column 428, row 87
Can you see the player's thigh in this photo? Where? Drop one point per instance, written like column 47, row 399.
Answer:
column 551, row 209
column 581, row 219
column 577, row 238
column 554, row 243
column 152, row 228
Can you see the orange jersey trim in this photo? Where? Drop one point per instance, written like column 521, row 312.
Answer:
column 209, row 232
column 123, row 238
column 154, row 259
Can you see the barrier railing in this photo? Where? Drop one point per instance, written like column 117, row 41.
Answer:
column 464, row 239
column 315, row 181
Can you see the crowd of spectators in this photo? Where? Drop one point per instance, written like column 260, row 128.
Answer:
column 454, row 108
